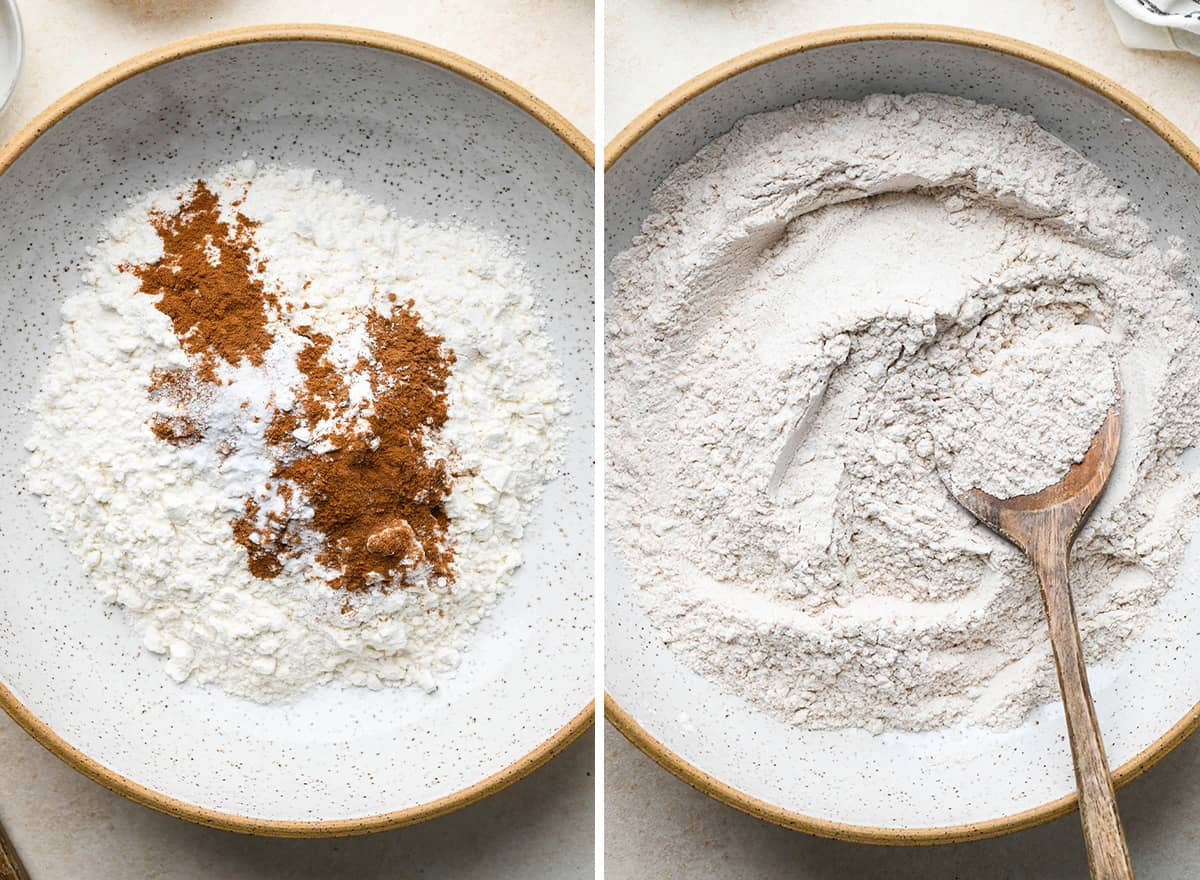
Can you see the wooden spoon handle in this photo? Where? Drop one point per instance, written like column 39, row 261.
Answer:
column 10, row 866
column 1108, row 854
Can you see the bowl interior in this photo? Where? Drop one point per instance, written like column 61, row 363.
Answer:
column 432, row 144
column 903, row 781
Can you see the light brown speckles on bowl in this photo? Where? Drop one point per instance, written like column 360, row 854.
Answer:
column 432, row 136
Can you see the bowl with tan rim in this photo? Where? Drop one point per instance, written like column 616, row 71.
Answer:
column 433, row 136
column 898, row 787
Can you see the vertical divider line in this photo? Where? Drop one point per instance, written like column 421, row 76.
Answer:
column 598, row 445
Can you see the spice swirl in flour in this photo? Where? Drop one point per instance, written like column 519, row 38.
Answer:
column 825, row 319
column 324, row 431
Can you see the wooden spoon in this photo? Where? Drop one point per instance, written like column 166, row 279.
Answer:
column 10, row 865
column 1044, row 525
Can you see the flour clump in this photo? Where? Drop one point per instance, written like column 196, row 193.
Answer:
column 815, row 330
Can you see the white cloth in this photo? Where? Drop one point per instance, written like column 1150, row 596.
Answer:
column 1173, row 25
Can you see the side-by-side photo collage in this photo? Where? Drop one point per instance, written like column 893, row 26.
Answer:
column 599, row 440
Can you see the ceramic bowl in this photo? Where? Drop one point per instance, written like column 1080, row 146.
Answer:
column 954, row 784
column 432, row 136
column 12, row 50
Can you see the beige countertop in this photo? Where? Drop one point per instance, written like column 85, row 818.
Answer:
column 656, row 826
column 543, row 45
column 65, row 826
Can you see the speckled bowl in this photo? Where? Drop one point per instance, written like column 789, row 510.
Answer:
column 431, row 135
column 956, row 784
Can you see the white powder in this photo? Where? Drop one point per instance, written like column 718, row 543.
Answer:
column 1018, row 427
column 151, row 521
column 815, row 325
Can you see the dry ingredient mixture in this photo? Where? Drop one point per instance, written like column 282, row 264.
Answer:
column 296, row 436
column 1018, row 426
column 832, row 313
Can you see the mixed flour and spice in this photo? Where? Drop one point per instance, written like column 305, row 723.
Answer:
column 835, row 315
column 297, row 437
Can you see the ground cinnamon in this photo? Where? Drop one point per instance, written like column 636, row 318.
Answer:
column 176, row 393
column 218, row 307
column 377, row 497
column 364, row 494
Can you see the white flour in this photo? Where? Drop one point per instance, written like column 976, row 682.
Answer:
column 1018, row 427
column 808, row 335
column 151, row 521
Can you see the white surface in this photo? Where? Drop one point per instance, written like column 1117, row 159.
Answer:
column 656, row 825
column 652, row 46
column 68, row 827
